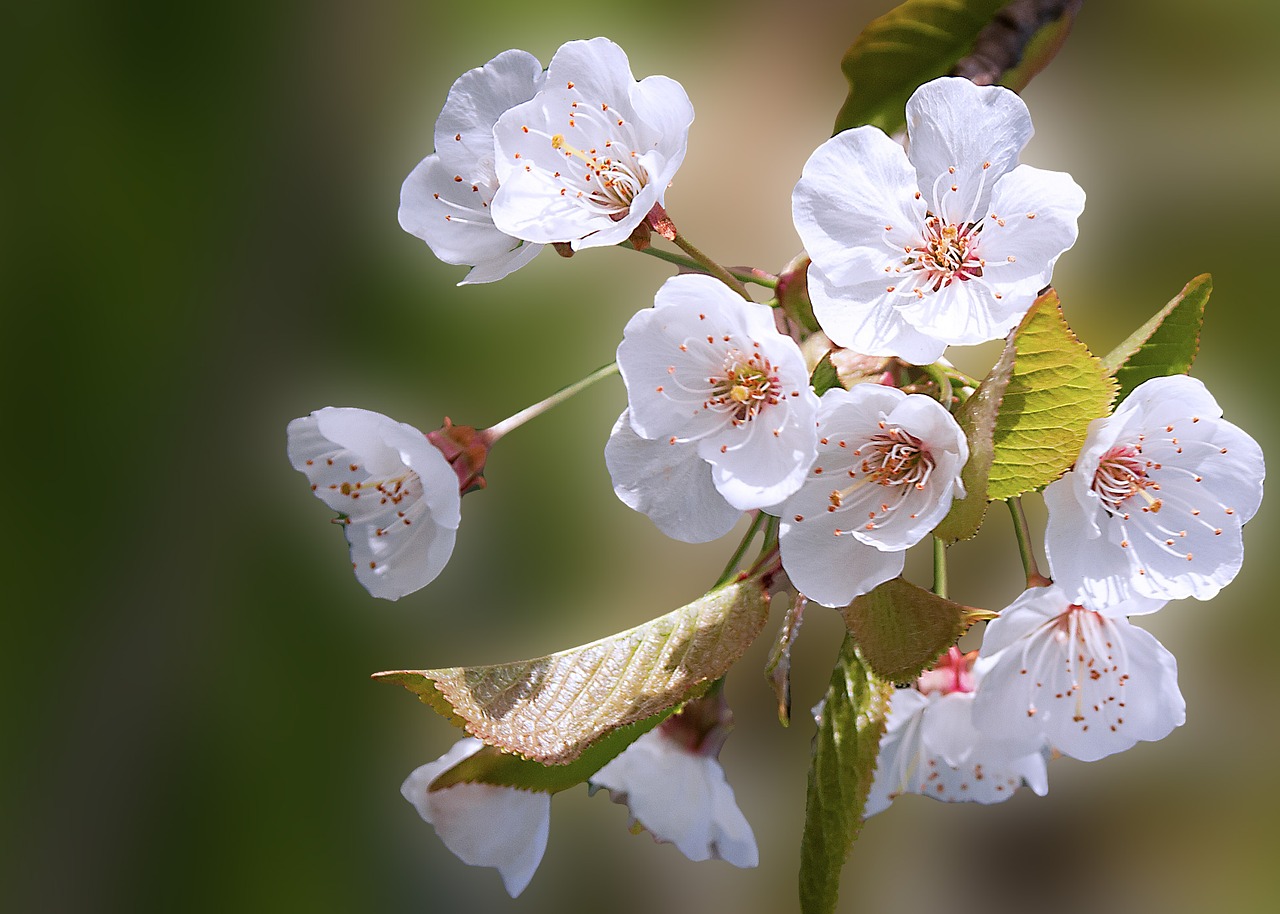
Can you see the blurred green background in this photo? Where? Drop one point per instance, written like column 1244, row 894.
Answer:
column 199, row 243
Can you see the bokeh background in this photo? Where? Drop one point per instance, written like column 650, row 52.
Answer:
column 199, row 243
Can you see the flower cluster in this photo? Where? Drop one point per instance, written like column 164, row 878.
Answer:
column 738, row 407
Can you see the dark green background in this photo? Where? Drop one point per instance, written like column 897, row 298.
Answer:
column 199, row 243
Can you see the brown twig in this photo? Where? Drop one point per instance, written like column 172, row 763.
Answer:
column 1000, row 46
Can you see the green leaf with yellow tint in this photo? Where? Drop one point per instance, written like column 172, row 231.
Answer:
column 911, row 44
column 1056, row 390
column 1167, row 343
column 551, row 709
column 900, row 629
column 844, row 760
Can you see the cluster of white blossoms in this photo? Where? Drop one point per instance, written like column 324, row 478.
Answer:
column 947, row 242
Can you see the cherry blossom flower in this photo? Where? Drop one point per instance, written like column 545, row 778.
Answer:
column 888, row 467
column 931, row 747
column 446, row 199
column 586, row 159
column 397, row 492
column 483, row 824
column 946, row 244
column 670, row 484
column 1156, row 500
column 672, row 783
column 1085, row 680
column 703, row 366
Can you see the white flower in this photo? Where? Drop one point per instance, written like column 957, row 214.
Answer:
column 680, row 796
column 703, row 365
column 446, row 199
column 484, row 825
column 1155, row 503
column 585, row 160
column 1087, row 681
column 670, row 484
column 399, row 494
column 887, row 470
column 948, row 243
column 931, row 747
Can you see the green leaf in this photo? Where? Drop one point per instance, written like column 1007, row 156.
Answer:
column 777, row 669
column 550, row 709
column 1040, row 50
column 911, row 44
column 1167, row 344
column 493, row 766
column 844, row 760
column 901, row 629
column 1056, row 390
column 977, row 417
column 824, row 376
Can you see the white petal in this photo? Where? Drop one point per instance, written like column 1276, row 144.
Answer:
column 682, row 798
column 829, row 569
column 669, row 483
column 484, row 825
column 966, row 312
column 1033, row 220
column 855, row 205
column 870, row 326
column 953, row 123
column 464, row 130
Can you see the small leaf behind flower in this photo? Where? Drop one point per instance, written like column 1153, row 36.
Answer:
column 824, row 376
column 1056, row 390
column 911, row 44
column 549, row 710
column 850, row 723
column 1166, row 344
column 900, row 629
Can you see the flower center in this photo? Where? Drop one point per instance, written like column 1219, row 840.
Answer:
column 1122, row 473
column 893, row 457
column 611, row 180
column 746, row 387
column 948, row 251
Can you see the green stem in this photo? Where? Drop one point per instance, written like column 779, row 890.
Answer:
column 1034, row 577
column 759, row 277
column 940, row 377
column 711, row 266
column 731, row 570
column 939, row 567
column 493, row 433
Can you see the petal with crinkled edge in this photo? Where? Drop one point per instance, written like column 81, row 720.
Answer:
column 464, row 129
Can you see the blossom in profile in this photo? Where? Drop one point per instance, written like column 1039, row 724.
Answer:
column 945, row 244
column 1156, row 500
column 887, row 470
column 705, row 368
column 670, row 484
column 396, row 492
column 672, row 783
column 483, row 824
column 1087, row 681
column 931, row 747
column 446, row 200
column 586, row 159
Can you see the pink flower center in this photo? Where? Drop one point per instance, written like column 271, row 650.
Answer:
column 948, row 251
column 747, row 386
column 895, row 457
column 1121, row 474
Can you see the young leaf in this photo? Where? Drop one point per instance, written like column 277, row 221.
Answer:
column 977, row 417
column 550, row 709
column 493, row 766
column 911, row 44
column 1052, row 27
column 1167, row 344
column 900, row 629
column 824, row 376
column 850, row 723
column 1056, row 390
column 777, row 669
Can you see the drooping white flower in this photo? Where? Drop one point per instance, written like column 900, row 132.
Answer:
column 1087, row 681
column 397, row 490
column 946, row 244
column 677, row 791
column 446, row 200
column 703, row 366
column 586, row 159
column 483, row 824
column 931, row 747
column 1156, row 500
column 670, row 484
column 888, row 467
